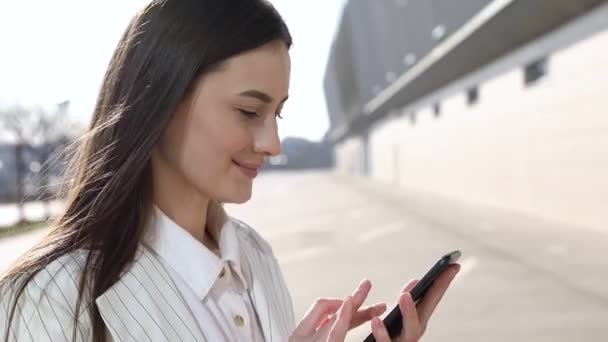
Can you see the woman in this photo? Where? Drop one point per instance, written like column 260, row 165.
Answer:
column 144, row 251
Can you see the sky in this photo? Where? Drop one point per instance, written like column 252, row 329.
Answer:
column 51, row 51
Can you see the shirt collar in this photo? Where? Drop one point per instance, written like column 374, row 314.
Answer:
column 189, row 258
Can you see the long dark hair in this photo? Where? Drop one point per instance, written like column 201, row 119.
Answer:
column 166, row 46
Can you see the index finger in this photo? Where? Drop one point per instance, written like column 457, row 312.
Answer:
column 342, row 324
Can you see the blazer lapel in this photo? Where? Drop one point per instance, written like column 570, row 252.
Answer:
column 261, row 283
column 260, row 302
column 145, row 305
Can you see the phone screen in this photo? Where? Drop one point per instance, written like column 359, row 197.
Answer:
column 394, row 321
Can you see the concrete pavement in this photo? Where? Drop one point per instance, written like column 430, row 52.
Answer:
column 12, row 247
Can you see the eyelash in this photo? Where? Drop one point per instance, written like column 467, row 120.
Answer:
column 255, row 115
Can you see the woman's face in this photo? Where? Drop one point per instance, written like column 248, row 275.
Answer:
column 226, row 126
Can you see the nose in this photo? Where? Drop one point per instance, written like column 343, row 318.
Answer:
column 267, row 140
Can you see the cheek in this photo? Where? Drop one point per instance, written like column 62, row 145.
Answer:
column 216, row 139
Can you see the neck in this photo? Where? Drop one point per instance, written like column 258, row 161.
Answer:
column 181, row 202
column 191, row 215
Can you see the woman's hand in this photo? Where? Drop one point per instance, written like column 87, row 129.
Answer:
column 329, row 320
column 415, row 319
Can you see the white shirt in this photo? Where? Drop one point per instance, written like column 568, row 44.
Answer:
column 214, row 288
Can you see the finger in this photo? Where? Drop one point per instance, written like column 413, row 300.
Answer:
column 361, row 293
column 379, row 331
column 411, row 324
column 365, row 314
column 325, row 320
column 409, row 286
column 435, row 293
column 342, row 323
column 358, row 296
column 321, row 308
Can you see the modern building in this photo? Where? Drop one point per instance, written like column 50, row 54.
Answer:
column 496, row 103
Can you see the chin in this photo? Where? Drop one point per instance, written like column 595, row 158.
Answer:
column 237, row 197
column 240, row 200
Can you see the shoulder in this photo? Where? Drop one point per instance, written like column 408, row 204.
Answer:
column 250, row 236
column 46, row 306
column 60, row 279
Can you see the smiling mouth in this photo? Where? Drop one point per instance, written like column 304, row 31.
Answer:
column 250, row 171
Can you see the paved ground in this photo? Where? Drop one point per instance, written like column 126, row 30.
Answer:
column 12, row 247
column 522, row 279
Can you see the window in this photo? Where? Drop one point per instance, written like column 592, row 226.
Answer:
column 412, row 117
column 472, row 95
column 437, row 109
column 535, row 71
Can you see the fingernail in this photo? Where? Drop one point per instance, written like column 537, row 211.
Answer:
column 359, row 287
column 378, row 310
column 345, row 303
column 457, row 270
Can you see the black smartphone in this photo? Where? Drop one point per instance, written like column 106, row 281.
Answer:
column 394, row 321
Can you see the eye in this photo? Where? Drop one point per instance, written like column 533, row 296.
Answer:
column 253, row 115
column 249, row 114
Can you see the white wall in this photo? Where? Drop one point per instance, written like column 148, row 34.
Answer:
column 541, row 150
column 349, row 157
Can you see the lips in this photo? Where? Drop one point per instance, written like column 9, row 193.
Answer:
column 250, row 169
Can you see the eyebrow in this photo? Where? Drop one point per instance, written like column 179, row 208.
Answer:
column 260, row 95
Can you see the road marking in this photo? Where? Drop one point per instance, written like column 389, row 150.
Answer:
column 303, row 254
column 377, row 233
column 487, row 226
column 556, row 249
column 296, row 229
column 356, row 214
column 360, row 212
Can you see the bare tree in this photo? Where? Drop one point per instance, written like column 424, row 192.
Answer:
column 37, row 134
column 19, row 122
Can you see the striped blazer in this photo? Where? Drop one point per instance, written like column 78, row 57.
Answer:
column 144, row 305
